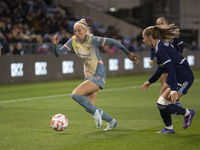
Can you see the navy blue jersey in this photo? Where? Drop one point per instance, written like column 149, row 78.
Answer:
column 176, row 42
column 170, row 59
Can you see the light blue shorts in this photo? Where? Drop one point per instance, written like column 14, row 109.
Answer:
column 99, row 77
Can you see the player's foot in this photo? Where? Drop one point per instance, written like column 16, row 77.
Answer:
column 165, row 130
column 98, row 118
column 188, row 119
column 112, row 124
column 178, row 103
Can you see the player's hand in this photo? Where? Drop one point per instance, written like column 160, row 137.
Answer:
column 145, row 85
column 55, row 39
column 174, row 96
column 133, row 57
column 151, row 63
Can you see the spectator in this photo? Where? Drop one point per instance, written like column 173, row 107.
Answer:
column 4, row 44
column 134, row 45
column 194, row 45
column 18, row 49
column 115, row 49
column 11, row 49
column 43, row 49
column 0, row 48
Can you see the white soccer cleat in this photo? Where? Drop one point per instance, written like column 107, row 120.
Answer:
column 98, row 118
column 112, row 124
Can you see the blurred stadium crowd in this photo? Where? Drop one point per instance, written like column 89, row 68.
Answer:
column 27, row 26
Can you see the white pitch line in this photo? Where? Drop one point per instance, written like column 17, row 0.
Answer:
column 68, row 94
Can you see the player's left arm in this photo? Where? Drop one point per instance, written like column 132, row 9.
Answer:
column 100, row 41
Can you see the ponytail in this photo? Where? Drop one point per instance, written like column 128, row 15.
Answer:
column 163, row 33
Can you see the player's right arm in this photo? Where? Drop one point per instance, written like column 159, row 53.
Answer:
column 156, row 75
column 64, row 49
column 153, row 78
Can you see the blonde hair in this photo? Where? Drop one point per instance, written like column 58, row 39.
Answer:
column 164, row 19
column 84, row 24
column 163, row 33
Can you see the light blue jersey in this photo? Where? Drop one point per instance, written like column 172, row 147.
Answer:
column 88, row 52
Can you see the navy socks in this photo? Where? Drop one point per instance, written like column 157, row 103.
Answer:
column 166, row 111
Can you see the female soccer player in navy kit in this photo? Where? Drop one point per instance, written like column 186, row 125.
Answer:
column 86, row 46
column 178, row 45
column 180, row 76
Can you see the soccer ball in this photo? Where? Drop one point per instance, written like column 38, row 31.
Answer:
column 59, row 122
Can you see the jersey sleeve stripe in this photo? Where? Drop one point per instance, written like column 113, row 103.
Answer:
column 180, row 43
column 166, row 61
column 104, row 40
column 67, row 47
column 100, row 61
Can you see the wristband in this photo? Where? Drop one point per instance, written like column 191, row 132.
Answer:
column 172, row 92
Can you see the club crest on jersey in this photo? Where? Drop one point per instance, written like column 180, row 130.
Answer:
column 77, row 48
column 88, row 48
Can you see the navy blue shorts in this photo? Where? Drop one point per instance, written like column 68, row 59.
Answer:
column 185, row 79
column 99, row 77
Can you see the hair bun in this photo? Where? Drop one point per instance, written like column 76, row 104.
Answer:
column 83, row 20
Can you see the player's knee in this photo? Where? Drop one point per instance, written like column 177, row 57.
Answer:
column 162, row 103
column 74, row 92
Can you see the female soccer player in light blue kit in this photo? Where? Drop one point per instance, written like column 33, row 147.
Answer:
column 180, row 76
column 86, row 48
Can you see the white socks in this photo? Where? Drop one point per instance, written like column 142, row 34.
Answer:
column 169, row 127
column 187, row 112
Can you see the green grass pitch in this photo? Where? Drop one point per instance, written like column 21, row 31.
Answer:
column 28, row 108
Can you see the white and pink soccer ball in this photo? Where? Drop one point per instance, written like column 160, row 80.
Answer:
column 59, row 122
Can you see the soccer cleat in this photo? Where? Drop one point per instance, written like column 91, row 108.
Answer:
column 178, row 103
column 98, row 118
column 112, row 124
column 188, row 119
column 165, row 130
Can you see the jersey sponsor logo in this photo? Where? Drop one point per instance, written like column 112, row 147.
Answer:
column 83, row 55
column 88, row 48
